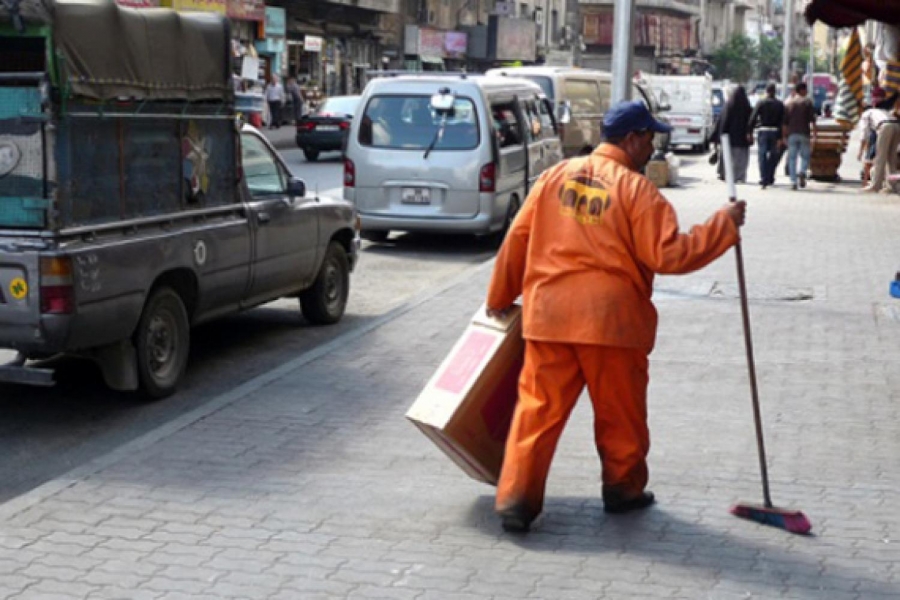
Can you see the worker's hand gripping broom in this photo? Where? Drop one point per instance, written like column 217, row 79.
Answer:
column 791, row 520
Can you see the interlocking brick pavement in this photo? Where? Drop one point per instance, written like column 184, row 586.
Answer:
column 309, row 483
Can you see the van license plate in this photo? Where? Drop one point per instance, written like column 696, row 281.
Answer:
column 415, row 196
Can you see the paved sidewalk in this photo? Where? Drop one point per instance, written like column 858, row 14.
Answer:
column 309, row 483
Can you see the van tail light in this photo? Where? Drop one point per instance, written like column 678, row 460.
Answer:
column 349, row 173
column 487, row 178
column 57, row 287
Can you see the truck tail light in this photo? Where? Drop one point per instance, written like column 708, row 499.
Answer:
column 57, row 287
column 487, row 178
column 349, row 173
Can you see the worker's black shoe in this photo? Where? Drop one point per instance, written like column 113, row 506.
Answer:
column 644, row 500
column 802, row 178
column 516, row 520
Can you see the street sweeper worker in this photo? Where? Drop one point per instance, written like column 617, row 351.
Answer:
column 582, row 253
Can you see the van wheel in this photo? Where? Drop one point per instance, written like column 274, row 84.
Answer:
column 324, row 303
column 311, row 155
column 162, row 342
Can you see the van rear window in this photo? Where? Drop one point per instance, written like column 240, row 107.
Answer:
column 409, row 123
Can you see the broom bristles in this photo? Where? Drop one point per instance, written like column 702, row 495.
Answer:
column 789, row 520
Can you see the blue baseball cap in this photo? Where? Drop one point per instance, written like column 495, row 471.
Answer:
column 630, row 115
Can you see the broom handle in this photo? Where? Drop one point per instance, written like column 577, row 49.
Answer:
column 748, row 339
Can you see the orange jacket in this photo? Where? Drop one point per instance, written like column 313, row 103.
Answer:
column 585, row 247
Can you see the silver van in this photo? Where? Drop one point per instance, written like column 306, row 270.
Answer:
column 449, row 153
column 585, row 95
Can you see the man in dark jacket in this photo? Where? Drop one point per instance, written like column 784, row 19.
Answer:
column 766, row 119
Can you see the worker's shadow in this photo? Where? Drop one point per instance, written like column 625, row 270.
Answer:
column 579, row 526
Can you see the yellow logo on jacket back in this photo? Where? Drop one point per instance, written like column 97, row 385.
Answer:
column 584, row 199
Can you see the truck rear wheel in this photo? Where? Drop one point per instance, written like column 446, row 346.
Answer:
column 324, row 303
column 162, row 342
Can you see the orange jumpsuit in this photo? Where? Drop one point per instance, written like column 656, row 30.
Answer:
column 583, row 252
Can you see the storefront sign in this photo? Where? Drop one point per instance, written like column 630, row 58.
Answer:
column 276, row 22
column 312, row 43
column 455, row 43
column 217, row 6
column 246, row 10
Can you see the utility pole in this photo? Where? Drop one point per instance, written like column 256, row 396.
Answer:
column 573, row 30
column 786, row 58
column 622, row 50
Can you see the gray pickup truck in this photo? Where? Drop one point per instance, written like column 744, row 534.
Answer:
column 133, row 203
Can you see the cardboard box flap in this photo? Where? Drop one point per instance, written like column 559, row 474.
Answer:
column 503, row 324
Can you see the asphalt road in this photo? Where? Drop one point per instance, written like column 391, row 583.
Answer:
column 44, row 432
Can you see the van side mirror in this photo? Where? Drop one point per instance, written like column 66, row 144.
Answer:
column 564, row 112
column 296, row 188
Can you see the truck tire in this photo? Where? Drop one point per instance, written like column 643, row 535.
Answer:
column 324, row 303
column 162, row 342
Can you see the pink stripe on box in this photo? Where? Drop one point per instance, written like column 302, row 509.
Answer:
column 465, row 362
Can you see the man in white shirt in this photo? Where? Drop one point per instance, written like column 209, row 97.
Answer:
column 871, row 118
column 275, row 98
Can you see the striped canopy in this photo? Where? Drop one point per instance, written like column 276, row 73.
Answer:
column 850, row 88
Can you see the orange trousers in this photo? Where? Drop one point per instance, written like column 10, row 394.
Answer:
column 552, row 379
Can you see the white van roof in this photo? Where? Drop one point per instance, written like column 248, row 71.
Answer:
column 485, row 82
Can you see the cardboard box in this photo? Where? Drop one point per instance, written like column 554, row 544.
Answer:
column 467, row 406
column 657, row 171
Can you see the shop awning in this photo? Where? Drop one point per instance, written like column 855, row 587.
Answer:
column 434, row 60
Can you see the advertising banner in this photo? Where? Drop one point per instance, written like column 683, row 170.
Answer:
column 138, row 3
column 431, row 42
column 455, row 44
column 217, row 6
column 514, row 39
column 246, row 10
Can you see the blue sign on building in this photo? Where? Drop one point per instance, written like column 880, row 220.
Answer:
column 276, row 22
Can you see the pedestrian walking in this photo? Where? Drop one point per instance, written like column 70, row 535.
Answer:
column 293, row 90
column 767, row 118
column 799, row 125
column 275, row 98
column 582, row 253
column 735, row 122
column 886, row 146
column 869, row 122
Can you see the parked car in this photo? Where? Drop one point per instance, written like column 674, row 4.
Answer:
column 585, row 94
column 137, row 216
column 447, row 153
column 823, row 88
column 325, row 129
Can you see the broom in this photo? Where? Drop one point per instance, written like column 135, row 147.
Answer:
column 767, row 514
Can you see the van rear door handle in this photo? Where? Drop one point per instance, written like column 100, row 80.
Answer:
column 263, row 217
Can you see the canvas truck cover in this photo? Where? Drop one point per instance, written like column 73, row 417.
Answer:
column 111, row 52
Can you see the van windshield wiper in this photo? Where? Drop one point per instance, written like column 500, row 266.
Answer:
column 437, row 136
